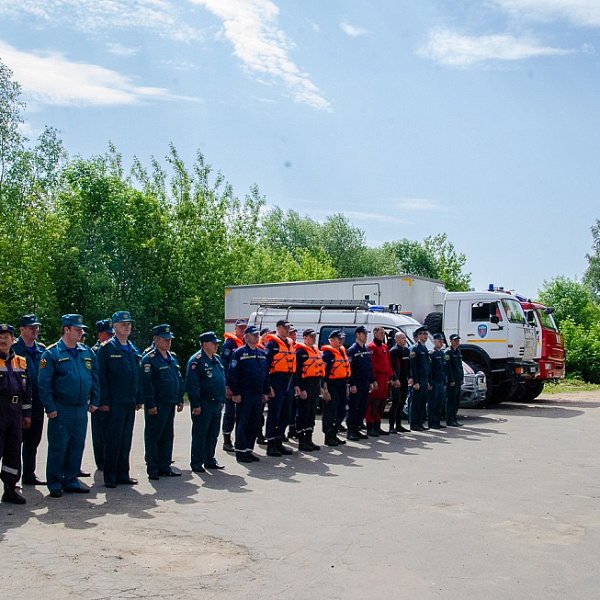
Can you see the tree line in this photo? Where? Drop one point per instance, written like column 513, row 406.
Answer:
column 87, row 235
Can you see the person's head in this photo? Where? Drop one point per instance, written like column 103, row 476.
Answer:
column 162, row 337
column 7, row 338
column 283, row 328
column 336, row 338
column 240, row 327
column 29, row 327
column 72, row 329
column 421, row 334
column 309, row 336
column 360, row 333
column 251, row 335
column 455, row 341
column 379, row 333
column 104, row 329
column 293, row 333
column 122, row 323
column 210, row 342
column 438, row 341
column 400, row 338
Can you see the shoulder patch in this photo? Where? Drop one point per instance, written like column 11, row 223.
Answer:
column 148, row 349
column 147, row 368
column 413, row 354
column 43, row 363
column 447, row 357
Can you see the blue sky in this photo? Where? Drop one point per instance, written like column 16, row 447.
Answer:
column 475, row 118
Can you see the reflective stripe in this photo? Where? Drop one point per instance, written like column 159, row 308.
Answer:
column 27, row 406
column 9, row 470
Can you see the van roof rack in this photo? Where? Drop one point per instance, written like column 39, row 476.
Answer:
column 310, row 303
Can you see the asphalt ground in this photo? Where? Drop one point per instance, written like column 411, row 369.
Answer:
column 507, row 506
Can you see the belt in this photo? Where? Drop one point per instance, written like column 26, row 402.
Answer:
column 11, row 399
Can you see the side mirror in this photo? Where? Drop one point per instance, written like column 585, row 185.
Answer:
column 495, row 319
column 530, row 317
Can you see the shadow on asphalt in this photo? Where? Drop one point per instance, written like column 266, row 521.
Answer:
column 556, row 410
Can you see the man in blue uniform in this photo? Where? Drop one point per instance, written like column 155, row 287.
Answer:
column 232, row 342
column 205, row 385
column 120, row 365
column 99, row 418
column 438, row 378
column 67, row 381
column 15, row 413
column 362, row 381
column 455, row 375
column 28, row 347
column 163, row 391
column 248, row 379
column 420, row 366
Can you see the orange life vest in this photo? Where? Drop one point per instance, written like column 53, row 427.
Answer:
column 284, row 360
column 313, row 366
column 235, row 338
column 340, row 368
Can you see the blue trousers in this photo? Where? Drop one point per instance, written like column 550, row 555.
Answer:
column 158, row 438
column 229, row 416
column 331, row 409
column 306, row 409
column 32, row 438
column 117, row 443
column 205, row 432
column 357, row 406
column 248, row 420
column 99, row 421
column 435, row 404
column 417, row 403
column 11, row 429
column 66, row 441
column 452, row 402
column 280, row 407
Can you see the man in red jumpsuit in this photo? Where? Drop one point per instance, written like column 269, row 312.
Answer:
column 383, row 372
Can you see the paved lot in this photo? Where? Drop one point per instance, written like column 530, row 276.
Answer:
column 506, row 507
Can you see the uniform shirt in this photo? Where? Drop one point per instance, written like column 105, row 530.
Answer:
column 120, row 373
column 248, row 372
column 400, row 358
column 420, row 363
column 454, row 367
column 14, row 381
column 162, row 380
column 205, row 379
column 361, row 367
column 68, row 376
column 438, row 366
column 227, row 349
column 33, row 356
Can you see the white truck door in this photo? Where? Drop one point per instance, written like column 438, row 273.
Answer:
column 478, row 327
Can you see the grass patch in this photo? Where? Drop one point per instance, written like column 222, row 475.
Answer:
column 570, row 385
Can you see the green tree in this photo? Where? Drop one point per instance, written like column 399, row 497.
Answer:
column 592, row 274
column 449, row 263
column 571, row 300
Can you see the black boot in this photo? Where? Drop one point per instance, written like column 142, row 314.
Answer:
column 304, row 444
column 12, row 496
column 377, row 427
column 292, row 433
column 331, row 440
column 272, row 449
column 310, row 441
column 371, row 432
column 227, row 444
column 283, row 449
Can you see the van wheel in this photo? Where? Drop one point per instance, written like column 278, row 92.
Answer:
column 433, row 322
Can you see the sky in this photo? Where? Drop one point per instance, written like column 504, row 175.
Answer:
column 477, row 118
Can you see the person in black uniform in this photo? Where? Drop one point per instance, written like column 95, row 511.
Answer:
column 248, row 379
column 15, row 413
column 163, row 391
column 438, row 378
column 400, row 357
column 28, row 347
column 420, row 367
column 362, row 380
column 454, row 375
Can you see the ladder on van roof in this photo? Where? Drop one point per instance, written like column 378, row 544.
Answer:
column 310, row 303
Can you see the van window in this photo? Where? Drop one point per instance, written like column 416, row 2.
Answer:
column 326, row 331
column 481, row 311
column 514, row 311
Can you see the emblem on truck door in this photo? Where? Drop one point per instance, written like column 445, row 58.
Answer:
column 482, row 330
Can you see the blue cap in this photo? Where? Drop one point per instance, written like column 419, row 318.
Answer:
column 71, row 320
column 104, row 325
column 122, row 316
column 361, row 329
column 455, row 336
column 5, row 328
column 337, row 333
column 209, row 336
column 421, row 329
column 28, row 321
column 251, row 330
column 163, row 331
column 241, row 322
column 438, row 336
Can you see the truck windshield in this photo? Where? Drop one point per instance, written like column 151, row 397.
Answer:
column 547, row 321
column 514, row 311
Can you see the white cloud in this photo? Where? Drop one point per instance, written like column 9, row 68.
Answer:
column 120, row 50
column 353, row 31
column 374, row 217
column 161, row 16
column 456, row 50
column 50, row 78
column 251, row 26
column 584, row 13
column 418, row 204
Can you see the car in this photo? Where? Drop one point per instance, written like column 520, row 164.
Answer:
column 473, row 388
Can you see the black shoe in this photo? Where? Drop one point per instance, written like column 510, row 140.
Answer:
column 353, row 436
column 424, row 427
column 417, row 428
column 283, row 449
column 13, row 497
column 128, row 481
column 76, row 490
column 199, row 469
column 272, row 448
column 372, row 432
column 243, row 458
column 227, row 443
column 170, row 473
column 57, row 493
column 153, row 477
column 361, row 435
column 400, row 429
column 112, row 486
column 342, row 428
column 339, row 441
column 381, row 431
column 32, row 481
column 252, row 457
column 331, row 440
column 435, row 427
column 215, row 466
column 84, row 474
column 393, row 431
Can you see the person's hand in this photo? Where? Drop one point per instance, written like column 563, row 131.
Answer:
column 53, row 414
column 326, row 396
column 375, row 385
column 395, row 383
column 104, row 408
column 416, row 387
column 196, row 411
column 26, row 422
column 153, row 411
column 228, row 393
column 452, row 384
column 429, row 387
column 92, row 408
column 139, row 406
column 303, row 395
column 353, row 389
column 265, row 398
column 237, row 399
column 179, row 407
